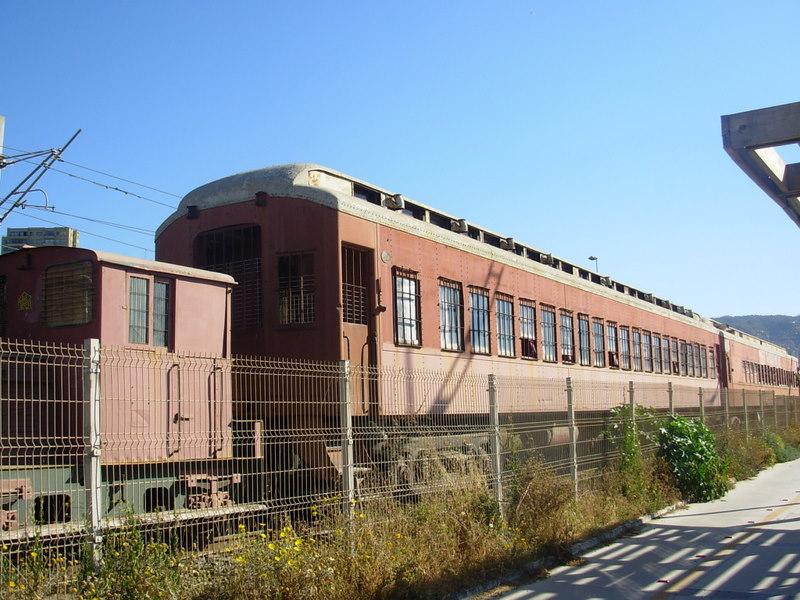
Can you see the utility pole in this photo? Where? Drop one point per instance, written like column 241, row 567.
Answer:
column 28, row 183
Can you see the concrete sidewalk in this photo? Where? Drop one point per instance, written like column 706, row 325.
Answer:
column 746, row 545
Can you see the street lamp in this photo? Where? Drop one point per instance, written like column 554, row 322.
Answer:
column 594, row 258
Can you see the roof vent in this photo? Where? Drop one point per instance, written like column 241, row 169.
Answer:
column 546, row 259
column 459, row 226
column 192, row 211
column 507, row 244
column 395, row 202
column 261, row 198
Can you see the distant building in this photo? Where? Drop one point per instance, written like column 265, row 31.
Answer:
column 39, row 236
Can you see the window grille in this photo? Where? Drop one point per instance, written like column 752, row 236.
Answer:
column 567, row 338
column 613, row 352
column 479, row 320
column 161, row 313
column 599, row 343
column 504, row 305
column 236, row 251
column 527, row 328
column 584, row 340
column 696, row 371
column 451, row 315
column 665, row 356
column 296, row 289
column 138, row 310
column 683, row 357
column 625, row 350
column 657, row 353
column 549, row 350
column 675, row 356
column 407, row 320
column 68, row 294
column 712, row 364
column 637, row 350
column 355, row 301
column 703, row 362
column 647, row 351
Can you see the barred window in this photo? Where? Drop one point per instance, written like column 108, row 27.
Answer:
column 583, row 340
column 665, row 356
column 355, row 290
column 138, row 310
column 690, row 360
column 407, row 319
column 68, row 294
column 657, row 353
column 613, row 351
column 704, row 362
column 527, row 328
column 567, row 338
column 296, row 289
column 675, row 356
column 647, row 351
column 451, row 315
column 599, row 343
column 161, row 313
column 504, row 305
column 637, row 350
column 479, row 320
column 625, row 350
column 235, row 251
column 697, row 361
column 683, row 357
column 712, row 364
column 549, row 334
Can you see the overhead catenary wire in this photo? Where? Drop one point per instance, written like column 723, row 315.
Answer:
column 136, row 183
column 130, row 228
column 84, row 232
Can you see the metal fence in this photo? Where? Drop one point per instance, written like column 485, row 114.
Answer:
column 201, row 447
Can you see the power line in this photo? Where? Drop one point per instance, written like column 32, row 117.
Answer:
column 90, row 233
column 142, row 185
column 130, row 228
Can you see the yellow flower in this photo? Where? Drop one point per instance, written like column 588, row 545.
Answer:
column 242, row 527
column 263, row 536
column 277, row 558
column 283, row 534
column 4, row 548
column 12, row 584
column 298, row 542
column 34, row 554
column 271, row 546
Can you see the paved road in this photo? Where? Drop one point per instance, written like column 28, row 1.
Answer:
column 746, row 545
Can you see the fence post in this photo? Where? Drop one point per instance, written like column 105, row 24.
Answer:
column 91, row 433
column 702, row 405
column 346, row 424
column 786, row 410
column 632, row 404
column 746, row 415
column 775, row 408
column 725, row 399
column 670, row 395
column 573, row 437
column 761, row 418
column 494, row 443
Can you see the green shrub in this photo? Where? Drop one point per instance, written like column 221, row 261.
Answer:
column 783, row 452
column 744, row 456
column 689, row 448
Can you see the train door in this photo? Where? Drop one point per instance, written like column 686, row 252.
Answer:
column 358, row 323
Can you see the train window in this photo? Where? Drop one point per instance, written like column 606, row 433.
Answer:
column 613, row 347
column 673, row 349
column 637, row 350
column 527, row 328
column 504, row 305
column 548, row 334
column 3, row 317
column 665, row 356
column 598, row 332
column 161, row 313
column 647, row 351
column 138, row 310
column 364, row 193
column 68, row 292
column 683, row 357
column 354, row 286
column 479, row 320
column 625, row 349
column 657, row 353
column 296, row 289
column 407, row 318
column 451, row 315
column 567, row 338
column 704, row 362
column 583, row 340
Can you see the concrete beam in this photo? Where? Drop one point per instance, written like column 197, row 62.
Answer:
column 772, row 126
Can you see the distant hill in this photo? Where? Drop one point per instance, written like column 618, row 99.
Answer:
column 778, row 329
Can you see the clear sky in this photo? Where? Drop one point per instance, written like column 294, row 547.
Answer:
column 577, row 127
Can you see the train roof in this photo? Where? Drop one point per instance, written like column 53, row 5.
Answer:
column 344, row 192
column 142, row 264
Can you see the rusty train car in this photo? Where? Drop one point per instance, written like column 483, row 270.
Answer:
column 331, row 267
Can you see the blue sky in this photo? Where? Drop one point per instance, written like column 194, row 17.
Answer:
column 578, row 127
